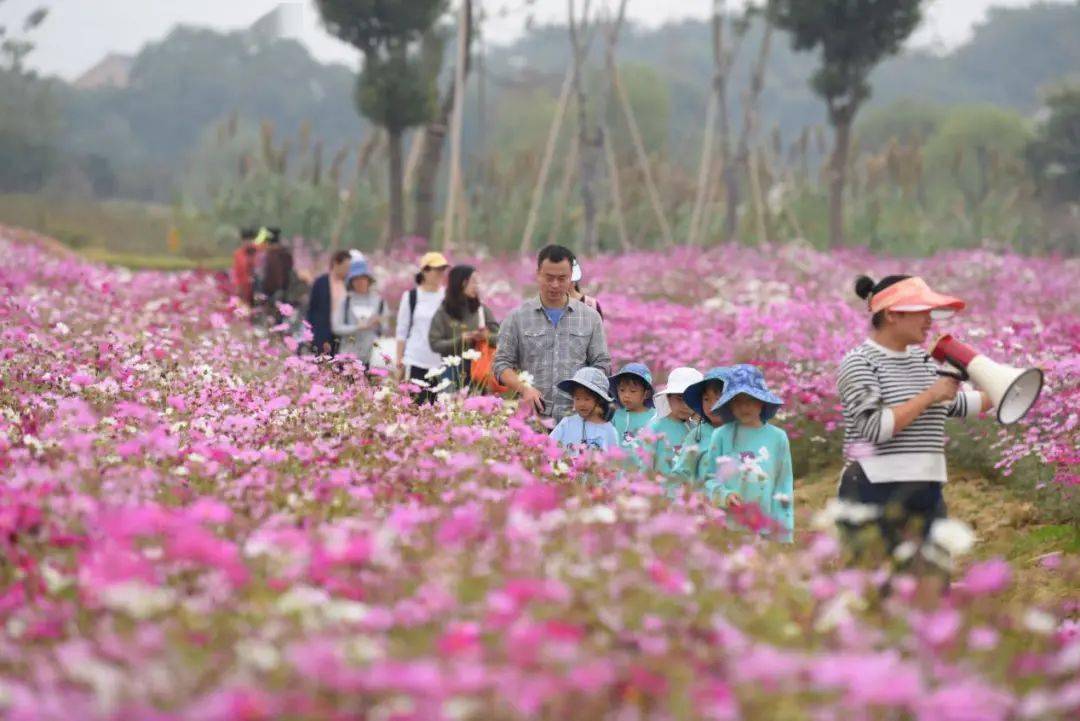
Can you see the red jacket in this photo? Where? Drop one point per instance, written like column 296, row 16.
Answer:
column 242, row 268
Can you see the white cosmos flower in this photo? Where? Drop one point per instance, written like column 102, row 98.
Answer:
column 837, row 511
column 1040, row 622
column 258, row 654
column 525, row 377
column 598, row 514
column 956, row 537
column 471, row 355
column 453, row 361
column 434, row 373
column 302, row 598
column 138, row 599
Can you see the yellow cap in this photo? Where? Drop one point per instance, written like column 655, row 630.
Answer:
column 434, row 259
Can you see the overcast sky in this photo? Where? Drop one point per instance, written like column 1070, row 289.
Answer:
column 78, row 33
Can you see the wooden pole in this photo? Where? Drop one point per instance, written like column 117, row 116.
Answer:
column 363, row 156
column 545, row 164
column 704, row 168
column 415, row 151
column 759, row 201
column 616, row 192
column 455, row 127
column 643, row 158
column 569, row 173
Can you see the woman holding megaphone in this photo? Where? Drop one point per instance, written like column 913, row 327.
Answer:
column 895, row 402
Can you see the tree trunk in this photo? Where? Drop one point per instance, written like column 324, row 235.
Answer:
column 586, row 141
column 427, row 172
column 704, row 177
column 454, row 195
column 397, row 209
column 838, row 178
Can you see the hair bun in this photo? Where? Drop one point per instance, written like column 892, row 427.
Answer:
column 864, row 286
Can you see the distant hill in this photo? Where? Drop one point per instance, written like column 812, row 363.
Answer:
column 195, row 77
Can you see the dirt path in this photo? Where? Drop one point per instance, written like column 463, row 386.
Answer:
column 1006, row 525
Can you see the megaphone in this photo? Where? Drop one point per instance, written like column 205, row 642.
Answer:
column 1012, row 390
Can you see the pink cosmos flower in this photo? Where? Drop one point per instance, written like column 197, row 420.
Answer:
column 987, row 577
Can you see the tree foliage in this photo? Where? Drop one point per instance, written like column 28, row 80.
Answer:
column 853, row 37
column 1054, row 153
column 396, row 89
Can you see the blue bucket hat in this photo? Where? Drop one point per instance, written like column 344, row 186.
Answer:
column 357, row 269
column 635, row 370
column 692, row 395
column 750, row 380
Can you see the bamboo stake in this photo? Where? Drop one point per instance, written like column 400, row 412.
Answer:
column 643, row 158
column 569, row 172
column 704, row 169
column 759, row 204
column 455, row 127
column 616, row 192
column 345, row 208
column 416, row 150
column 545, row 165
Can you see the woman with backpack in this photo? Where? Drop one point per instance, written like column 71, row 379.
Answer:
column 462, row 323
column 415, row 357
column 360, row 317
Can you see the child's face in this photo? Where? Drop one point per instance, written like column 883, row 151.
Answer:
column 679, row 410
column 747, row 410
column 632, row 394
column 709, row 397
column 585, row 403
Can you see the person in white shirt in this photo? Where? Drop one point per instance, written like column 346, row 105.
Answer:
column 415, row 358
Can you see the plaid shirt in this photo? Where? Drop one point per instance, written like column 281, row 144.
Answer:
column 528, row 342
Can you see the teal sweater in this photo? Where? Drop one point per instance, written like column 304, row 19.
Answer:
column 628, row 424
column 661, row 452
column 757, row 466
column 695, row 465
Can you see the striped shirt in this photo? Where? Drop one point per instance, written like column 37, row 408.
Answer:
column 871, row 381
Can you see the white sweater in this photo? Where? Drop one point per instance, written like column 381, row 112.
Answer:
column 418, row 353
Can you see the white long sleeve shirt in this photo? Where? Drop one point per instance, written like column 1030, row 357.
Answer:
column 418, row 353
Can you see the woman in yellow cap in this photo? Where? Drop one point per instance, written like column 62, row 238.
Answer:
column 418, row 306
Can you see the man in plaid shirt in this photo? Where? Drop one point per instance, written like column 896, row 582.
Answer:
column 550, row 337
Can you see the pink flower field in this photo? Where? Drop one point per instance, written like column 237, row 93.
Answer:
column 199, row 525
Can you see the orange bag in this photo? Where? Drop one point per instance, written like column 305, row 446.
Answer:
column 481, row 373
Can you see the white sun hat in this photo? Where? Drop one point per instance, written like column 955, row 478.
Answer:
column 678, row 381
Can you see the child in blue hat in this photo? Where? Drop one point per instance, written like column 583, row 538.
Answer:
column 694, row 465
column 672, row 423
column 632, row 389
column 587, row 427
column 752, row 457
